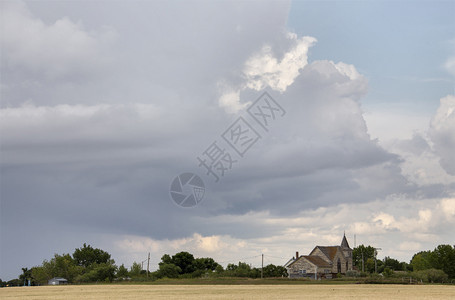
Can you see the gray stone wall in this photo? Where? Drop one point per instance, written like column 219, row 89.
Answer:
column 294, row 271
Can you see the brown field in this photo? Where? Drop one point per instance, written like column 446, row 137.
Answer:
column 344, row 291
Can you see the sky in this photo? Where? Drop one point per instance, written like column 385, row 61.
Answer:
column 104, row 103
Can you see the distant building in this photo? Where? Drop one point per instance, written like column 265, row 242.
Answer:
column 57, row 281
column 322, row 262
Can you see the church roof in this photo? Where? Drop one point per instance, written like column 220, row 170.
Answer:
column 290, row 261
column 316, row 260
column 344, row 243
column 329, row 251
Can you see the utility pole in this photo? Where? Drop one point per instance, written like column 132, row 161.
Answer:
column 262, row 266
column 148, row 264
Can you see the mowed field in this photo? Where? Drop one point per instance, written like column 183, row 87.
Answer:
column 345, row 291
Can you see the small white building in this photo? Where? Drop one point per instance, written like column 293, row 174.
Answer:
column 57, row 281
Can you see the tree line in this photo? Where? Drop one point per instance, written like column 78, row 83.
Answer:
column 432, row 266
column 88, row 264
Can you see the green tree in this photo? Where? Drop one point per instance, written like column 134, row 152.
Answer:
column 86, row 255
column 275, row 271
column 62, row 266
column 166, row 259
column 219, row 269
column 122, row 272
column 135, row 269
column 393, row 264
column 14, row 282
column 443, row 258
column 25, row 276
column 241, row 270
column 98, row 273
column 169, row 271
column 40, row 275
column 369, row 265
column 205, row 264
column 430, row 275
column 421, row 261
column 184, row 261
column 388, row 272
column 231, row 267
column 368, row 252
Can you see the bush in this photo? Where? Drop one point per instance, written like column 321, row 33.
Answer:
column 387, row 272
column 169, row 271
column 352, row 273
column 431, row 275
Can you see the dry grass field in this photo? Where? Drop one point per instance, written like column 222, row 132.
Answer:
column 345, row 291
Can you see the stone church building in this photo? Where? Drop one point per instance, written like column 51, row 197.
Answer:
column 322, row 262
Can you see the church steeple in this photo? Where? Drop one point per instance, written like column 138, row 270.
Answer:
column 344, row 242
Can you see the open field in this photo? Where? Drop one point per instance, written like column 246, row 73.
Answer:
column 344, row 291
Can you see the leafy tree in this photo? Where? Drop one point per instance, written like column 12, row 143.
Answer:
column 443, row 258
column 368, row 252
column 169, row 270
column 421, row 261
column 219, row 269
column 231, row 267
column 87, row 255
column 369, row 265
column 430, row 275
column 135, row 269
column 25, row 276
column 275, row 271
column 122, row 272
column 98, row 272
column 40, row 275
column 388, row 272
column 14, row 282
column 205, row 264
column 59, row 266
column 393, row 264
column 166, row 259
column 241, row 270
column 184, row 261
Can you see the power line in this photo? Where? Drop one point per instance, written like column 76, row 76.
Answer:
column 275, row 256
column 239, row 259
